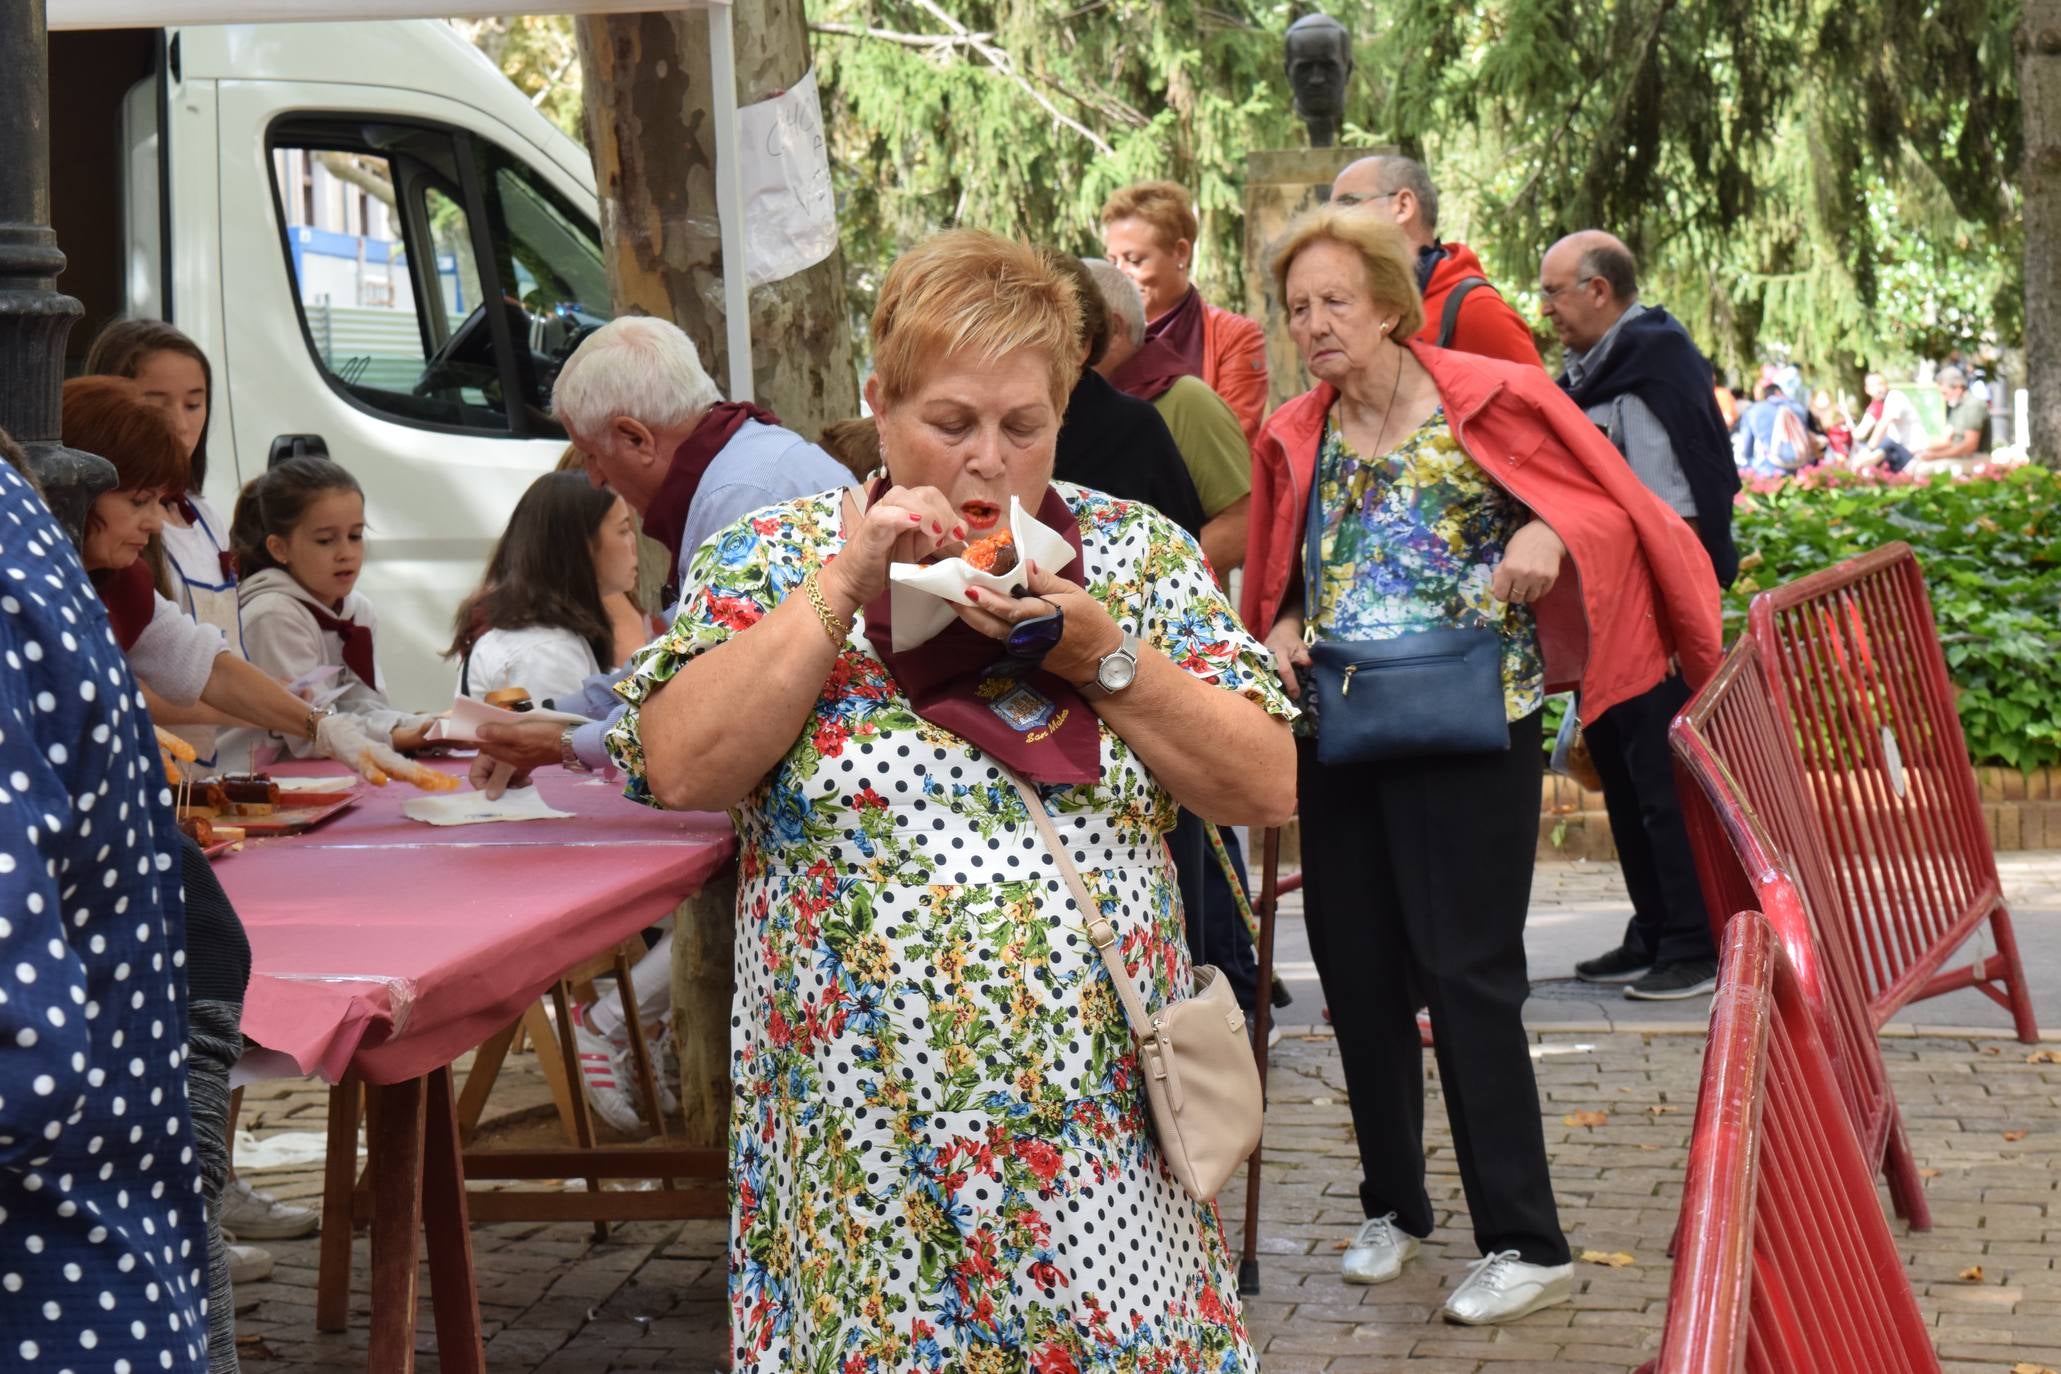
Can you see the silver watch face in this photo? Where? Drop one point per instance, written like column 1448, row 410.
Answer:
column 1117, row 670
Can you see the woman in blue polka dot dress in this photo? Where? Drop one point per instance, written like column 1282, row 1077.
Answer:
column 102, row 1242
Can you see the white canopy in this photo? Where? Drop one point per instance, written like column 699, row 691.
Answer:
column 157, row 14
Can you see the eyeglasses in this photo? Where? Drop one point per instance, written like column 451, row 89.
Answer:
column 1349, row 199
column 1549, row 292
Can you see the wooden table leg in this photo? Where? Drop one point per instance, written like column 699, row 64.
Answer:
column 479, row 1080
column 339, row 1180
column 396, row 1166
column 453, row 1286
column 583, row 1124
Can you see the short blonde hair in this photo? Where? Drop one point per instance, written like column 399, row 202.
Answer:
column 1390, row 264
column 1162, row 204
column 971, row 292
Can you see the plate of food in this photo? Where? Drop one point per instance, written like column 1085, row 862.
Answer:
column 259, row 806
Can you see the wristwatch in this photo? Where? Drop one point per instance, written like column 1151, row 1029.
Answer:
column 312, row 726
column 1117, row 669
column 569, row 756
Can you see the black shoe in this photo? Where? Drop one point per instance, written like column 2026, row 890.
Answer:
column 1674, row 981
column 1621, row 965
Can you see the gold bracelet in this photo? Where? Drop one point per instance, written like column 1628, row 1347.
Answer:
column 837, row 627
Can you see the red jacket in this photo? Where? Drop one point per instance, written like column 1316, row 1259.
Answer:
column 1234, row 364
column 1639, row 590
column 1487, row 325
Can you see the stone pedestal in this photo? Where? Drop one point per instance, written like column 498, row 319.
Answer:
column 1279, row 185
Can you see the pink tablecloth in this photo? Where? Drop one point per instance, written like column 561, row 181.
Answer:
column 390, row 947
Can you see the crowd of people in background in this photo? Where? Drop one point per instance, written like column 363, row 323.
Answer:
column 1437, row 516
column 1784, row 426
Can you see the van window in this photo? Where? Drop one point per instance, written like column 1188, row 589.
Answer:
column 550, row 260
column 398, row 236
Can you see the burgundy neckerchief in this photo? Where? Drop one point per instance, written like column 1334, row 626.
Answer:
column 130, row 595
column 1181, row 330
column 666, row 518
column 1150, row 372
column 357, row 642
column 1033, row 722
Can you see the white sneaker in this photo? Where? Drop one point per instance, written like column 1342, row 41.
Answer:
column 1500, row 1287
column 249, row 1214
column 249, row 1264
column 605, row 1075
column 1379, row 1251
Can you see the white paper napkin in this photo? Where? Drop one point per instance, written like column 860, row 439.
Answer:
column 289, row 786
column 476, row 808
column 923, row 594
column 469, row 713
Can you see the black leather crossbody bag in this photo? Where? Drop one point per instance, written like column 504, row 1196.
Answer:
column 1426, row 693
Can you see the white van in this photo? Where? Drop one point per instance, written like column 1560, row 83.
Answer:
column 328, row 209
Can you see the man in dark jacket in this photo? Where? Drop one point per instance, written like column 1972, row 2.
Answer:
column 1636, row 373
column 1461, row 309
column 1113, row 442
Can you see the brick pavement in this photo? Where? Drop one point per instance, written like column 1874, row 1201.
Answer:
column 556, row 1302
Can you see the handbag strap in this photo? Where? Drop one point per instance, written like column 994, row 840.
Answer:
column 1101, row 934
column 1313, row 543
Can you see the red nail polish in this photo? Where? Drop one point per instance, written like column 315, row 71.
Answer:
column 973, row 593
column 915, row 519
column 958, row 531
column 936, row 528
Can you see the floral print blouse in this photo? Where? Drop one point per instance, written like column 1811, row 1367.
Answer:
column 1411, row 541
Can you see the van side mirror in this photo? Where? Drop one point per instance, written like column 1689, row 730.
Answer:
column 285, row 446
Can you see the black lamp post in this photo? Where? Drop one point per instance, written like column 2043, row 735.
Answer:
column 34, row 317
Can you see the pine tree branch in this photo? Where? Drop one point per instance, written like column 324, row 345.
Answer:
column 931, row 42
column 1005, row 64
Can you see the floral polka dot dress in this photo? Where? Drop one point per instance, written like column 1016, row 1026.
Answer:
column 102, row 1242
column 940, row 1155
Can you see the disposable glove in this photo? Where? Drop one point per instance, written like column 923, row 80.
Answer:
column 343, row 738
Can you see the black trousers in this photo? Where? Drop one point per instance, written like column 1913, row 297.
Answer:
column 1216, row 932
column 1629, row 743
column 1416, row 877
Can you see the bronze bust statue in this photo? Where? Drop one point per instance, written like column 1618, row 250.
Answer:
column 1320, row 64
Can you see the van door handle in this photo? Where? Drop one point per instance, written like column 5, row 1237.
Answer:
column 285, row 446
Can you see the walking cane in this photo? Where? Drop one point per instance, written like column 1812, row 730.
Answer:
column 1263, row 1016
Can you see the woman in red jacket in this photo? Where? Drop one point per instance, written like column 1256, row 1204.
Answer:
column 1148, row 230
column 1474, row 544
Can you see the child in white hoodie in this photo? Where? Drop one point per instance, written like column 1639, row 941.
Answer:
column 299, row 534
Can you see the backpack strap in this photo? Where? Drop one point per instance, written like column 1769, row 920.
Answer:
column 1449, row 318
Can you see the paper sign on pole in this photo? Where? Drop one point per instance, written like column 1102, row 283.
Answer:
column 790, row 213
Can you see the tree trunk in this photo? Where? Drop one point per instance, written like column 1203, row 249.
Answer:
column 650, row 125
column 2039, row 88
column 704, row 943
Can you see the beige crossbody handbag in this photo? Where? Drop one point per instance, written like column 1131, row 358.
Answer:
column 1201, row 1080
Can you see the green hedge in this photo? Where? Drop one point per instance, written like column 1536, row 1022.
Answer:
column 1991, row 549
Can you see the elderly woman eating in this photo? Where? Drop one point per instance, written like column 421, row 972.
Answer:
column 1439, row 540
column 939, row 1150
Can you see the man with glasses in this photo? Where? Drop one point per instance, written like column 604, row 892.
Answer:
column 1461, row 309
column 1637, row 373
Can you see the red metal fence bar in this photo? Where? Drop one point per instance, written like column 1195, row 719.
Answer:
column 1785, row 1264
column 1757, row 846
column 1860, row 680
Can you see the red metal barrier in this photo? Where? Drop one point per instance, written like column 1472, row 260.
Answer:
column 1785, row 1265
column 1858, row 672
column 1757, row 847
